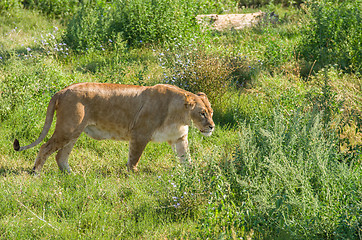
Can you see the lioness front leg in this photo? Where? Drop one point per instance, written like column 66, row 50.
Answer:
column 182, row 150
column 136, row 147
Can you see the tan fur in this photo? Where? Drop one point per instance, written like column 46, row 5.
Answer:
column 136, row 114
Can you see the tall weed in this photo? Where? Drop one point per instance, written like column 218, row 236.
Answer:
column 89, row 29
column 137, row 22
column 145, row 21
column 53, row 7
column 260, row 3
column 197, row 67
column 286, row 181
column 333, row 35
column 61, row 8
column 9, row 5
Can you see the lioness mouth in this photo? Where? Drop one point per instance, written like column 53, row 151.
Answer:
column 206, row 133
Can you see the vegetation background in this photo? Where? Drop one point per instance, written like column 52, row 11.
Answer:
column 285, row 159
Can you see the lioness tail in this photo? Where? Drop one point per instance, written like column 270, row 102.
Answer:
column 47, row 126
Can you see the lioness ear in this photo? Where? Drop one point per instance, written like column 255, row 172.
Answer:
column 201, row 94
column 189, row 101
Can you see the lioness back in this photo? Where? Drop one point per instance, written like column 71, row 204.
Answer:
column 114, row 110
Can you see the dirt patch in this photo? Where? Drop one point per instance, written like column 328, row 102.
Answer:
column 232, row 21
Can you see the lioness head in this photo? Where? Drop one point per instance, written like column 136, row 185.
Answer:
column 201, row 113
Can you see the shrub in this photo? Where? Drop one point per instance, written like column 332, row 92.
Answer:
column 89, row 29
column 277, row 54
column 149, row 21
column 61, row 8
column 181, row 193
column 53, row 7
column 8, row 5
column 285, row 181
column 197, row 71
column 195, row 67
column 333, row 35
column 260, row 3
column 212, row 7
column 137, row 22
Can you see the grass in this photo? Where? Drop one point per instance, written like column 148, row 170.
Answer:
column 284, row 161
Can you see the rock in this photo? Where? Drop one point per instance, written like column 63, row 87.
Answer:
column 230, row 21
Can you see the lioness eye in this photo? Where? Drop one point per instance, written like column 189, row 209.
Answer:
column 203, row 114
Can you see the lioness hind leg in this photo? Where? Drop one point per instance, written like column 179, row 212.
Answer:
column 70, row 124
column 63, row 155
column 58, row 142
column 45, row 151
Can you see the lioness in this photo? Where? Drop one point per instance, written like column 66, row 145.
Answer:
column 137, row 114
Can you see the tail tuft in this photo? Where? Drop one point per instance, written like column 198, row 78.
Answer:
column 16, row 145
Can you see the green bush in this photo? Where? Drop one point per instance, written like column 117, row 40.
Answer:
column 196, row 70
column 212, row 7
column 136, row 22
column 277, row 54
column 260, row 3
column 196, row 67
column 150, row 21
column 53, row 7
column 8, row 5
column 285, row 181
column 61, row 8
column 333, row 35
column 89, row 29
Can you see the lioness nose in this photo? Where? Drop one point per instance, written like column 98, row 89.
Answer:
column 211, row 127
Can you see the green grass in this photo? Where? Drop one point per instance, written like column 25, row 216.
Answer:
column 284, row 161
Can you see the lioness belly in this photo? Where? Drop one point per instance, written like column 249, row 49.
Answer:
column 102, row 133
column 170, row 133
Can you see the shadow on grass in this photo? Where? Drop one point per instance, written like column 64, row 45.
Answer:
column 224, row 118
column 5, row 171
